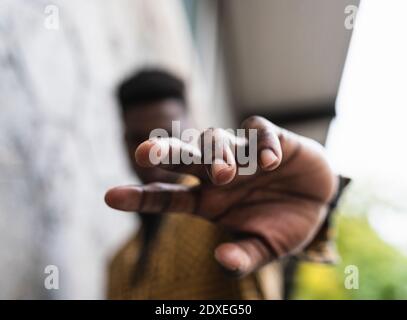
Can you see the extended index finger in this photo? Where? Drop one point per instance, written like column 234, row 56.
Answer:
column 156, row 198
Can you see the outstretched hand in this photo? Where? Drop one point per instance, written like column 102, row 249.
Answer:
column 275, row 212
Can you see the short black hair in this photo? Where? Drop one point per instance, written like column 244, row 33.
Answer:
column 150, row 85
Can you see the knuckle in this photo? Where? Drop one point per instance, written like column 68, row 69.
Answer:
column 251, row 121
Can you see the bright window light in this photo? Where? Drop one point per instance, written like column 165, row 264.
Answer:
column 368, row 139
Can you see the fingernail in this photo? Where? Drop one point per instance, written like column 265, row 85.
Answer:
column 221, row 171
column 236, row 259
column 267, row 158
column 126, row 198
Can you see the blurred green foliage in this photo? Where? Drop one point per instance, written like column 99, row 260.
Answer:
column 382, row 268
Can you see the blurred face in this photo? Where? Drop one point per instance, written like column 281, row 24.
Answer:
column 140, row 121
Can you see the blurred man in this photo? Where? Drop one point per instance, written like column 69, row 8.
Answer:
column 283, row 209
column 171, row 257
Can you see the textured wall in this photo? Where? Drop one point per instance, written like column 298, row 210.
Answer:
column 60, row 135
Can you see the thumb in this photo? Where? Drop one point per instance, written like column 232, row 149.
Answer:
column 243, row 256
